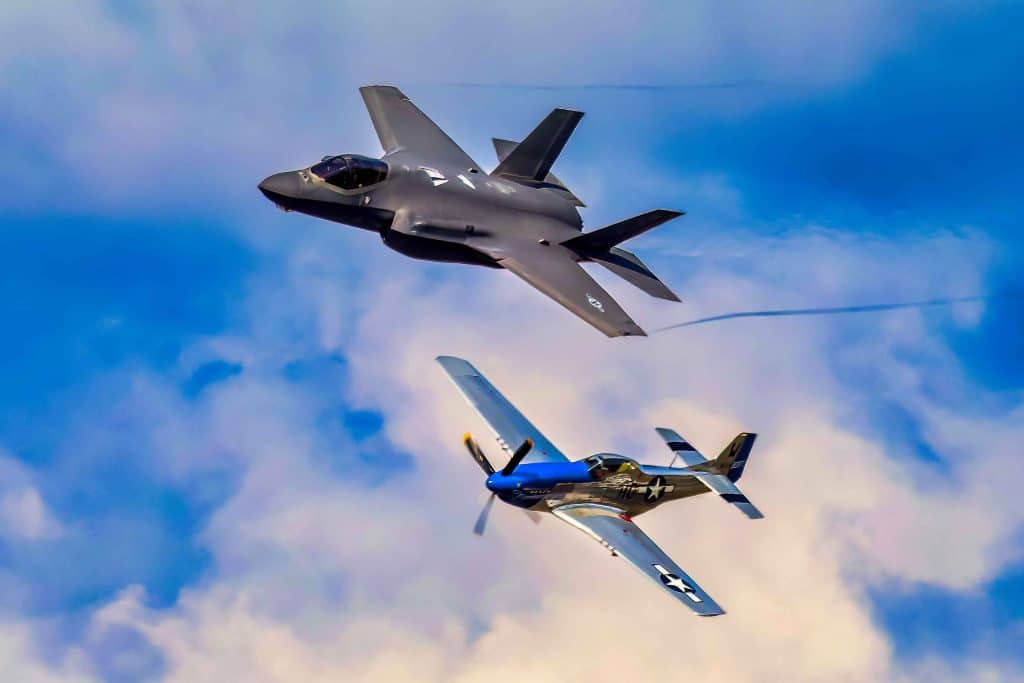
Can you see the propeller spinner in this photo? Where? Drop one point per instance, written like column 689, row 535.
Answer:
column 478, row 454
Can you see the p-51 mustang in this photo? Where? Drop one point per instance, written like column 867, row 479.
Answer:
column 427, row 199
column 601, row 494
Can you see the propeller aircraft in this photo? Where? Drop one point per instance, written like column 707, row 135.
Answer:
column 601, row 494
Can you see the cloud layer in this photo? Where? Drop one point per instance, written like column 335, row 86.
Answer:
column 256, row 472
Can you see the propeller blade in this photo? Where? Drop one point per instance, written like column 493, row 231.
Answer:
column 474, row 449
column 517, row 457
column 481, row 521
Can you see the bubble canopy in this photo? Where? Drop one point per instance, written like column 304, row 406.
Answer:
column 350, row 171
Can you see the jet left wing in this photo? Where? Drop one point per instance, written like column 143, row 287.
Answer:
column 401, row 126
column 615, row 531
column 511, row 427
column 553, row 270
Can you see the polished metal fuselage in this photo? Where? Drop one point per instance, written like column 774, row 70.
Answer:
column 634, row 490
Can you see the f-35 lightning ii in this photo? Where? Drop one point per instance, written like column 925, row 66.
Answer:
column 427, row 199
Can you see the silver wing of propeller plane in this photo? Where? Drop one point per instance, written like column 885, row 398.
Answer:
column 428, row 199
column 601, row 494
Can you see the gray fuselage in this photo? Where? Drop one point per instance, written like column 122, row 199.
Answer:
column 436, row 213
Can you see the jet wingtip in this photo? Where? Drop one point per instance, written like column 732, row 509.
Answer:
column 456, row 366
column 381, row 88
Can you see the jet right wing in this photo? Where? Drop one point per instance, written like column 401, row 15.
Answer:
column 610, row 527
column 553, row 270
column 401, row 126
column 510, row 426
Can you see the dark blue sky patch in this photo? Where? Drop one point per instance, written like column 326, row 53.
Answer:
column 362, row 424
column 355, row 447
column 993, row 352
column 351, row 440
column 207, row 374
column 101, row 554
column 930, row 136
column 925, row 620
column 83, row 295
column 327, row 370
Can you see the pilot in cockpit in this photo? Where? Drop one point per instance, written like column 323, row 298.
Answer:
column 605, row 464
column 350, row 171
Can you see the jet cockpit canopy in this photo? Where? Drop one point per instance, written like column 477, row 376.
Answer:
column 350, row 171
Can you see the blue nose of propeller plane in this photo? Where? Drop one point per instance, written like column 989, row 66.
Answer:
column 499, row 483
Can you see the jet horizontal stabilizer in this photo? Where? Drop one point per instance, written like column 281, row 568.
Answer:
column 599, row 246
column 630, row 268
column 603, row 239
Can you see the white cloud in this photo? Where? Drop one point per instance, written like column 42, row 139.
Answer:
column 22, row 661
column 23, row 513
column 319, row 576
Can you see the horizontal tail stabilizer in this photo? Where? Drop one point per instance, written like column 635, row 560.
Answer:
column 532, row 158
column 681, row 448
column 600, row 241
column 631, row 269
column 730, row 493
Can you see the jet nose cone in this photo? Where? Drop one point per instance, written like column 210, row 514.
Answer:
column 281, row 186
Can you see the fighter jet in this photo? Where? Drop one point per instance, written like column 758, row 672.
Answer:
column 427, row 199
column 601, row 494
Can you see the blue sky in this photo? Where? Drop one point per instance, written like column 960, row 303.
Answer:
column 200, row 391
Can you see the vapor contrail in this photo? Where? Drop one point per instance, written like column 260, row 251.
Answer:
column 928, row 303
column 654, row 87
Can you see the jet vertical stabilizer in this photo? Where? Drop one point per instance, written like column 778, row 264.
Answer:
column 532, row 158
column 503, row 148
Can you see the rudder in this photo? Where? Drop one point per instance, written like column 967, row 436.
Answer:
column 733, row 459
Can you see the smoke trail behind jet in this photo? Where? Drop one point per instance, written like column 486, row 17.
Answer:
column 840, row 310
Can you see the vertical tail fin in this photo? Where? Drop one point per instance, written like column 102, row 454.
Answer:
column 733, row 459
column 532, row 158
column 505, row 147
